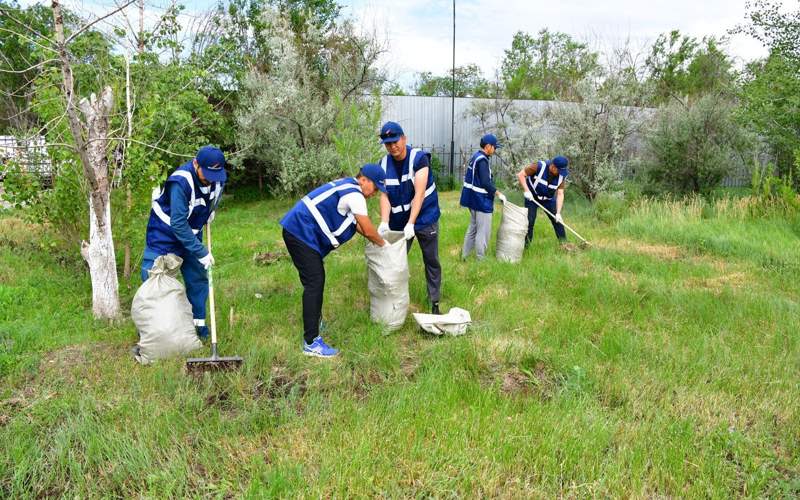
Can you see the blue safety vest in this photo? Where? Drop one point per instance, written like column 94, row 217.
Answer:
column 316, row 219
column 400, row 190
column 201, row 201
column 541, row 185
column 473, row 194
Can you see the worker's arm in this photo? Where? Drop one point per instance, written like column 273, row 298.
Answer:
column 386, row 207
column 531, row 169
column 179, row 221
column 485, row 177
column 364, row 227
column 420, row 185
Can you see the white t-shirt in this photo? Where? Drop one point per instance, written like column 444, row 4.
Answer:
column 354, row 203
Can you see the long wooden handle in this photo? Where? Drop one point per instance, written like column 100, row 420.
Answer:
column 563, row 223
column 211, row 293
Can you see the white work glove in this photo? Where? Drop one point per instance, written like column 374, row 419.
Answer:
column 528, row 196
column 408, row 231
column 383, row 228
column 559, row 219
column 501, row 197
column 207, row 261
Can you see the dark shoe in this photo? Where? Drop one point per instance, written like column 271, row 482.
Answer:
column 435, row 308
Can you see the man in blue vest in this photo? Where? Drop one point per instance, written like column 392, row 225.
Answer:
column 478, row 195
column 411, row 203
column 187, row 201
column 319, row 223
column 543, row 181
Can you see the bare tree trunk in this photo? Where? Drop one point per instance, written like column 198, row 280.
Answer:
column 91, row 141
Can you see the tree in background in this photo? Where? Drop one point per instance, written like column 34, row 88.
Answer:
column 547, row 66
column 300, row 119
column 770, row 95
column 680, row 67
column 692, row 145
column 469, row 82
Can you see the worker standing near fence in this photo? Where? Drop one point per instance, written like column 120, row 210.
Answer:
column 320, row 222
column 477, row 195
column 544, row 182
column 184, row 205
column 411, row 202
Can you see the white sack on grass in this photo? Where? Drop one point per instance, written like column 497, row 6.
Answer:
column 162, row 313
column 387, row 280
column 511, row 234
column 455, row 322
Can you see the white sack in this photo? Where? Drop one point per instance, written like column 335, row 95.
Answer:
column 387, row 280
column 162, row 313
column 511, row 234
column 455, row 322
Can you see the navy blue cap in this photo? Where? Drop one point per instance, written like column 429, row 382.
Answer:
column 561, row 164
column 376, row 174
column 212, row 162
column 490, row 139
column 391, row 132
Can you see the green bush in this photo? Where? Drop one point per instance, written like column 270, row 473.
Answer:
column 610, row 207
column 692, row 145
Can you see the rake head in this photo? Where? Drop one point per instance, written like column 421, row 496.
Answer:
column 213, row 364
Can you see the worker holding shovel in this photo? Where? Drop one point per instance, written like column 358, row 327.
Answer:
column 181, row 208
column 543, row 184
column 319, row 223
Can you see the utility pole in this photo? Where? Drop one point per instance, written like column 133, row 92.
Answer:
column 453, row 100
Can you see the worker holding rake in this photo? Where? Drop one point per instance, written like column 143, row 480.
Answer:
column 181, row 208
column 543, row 183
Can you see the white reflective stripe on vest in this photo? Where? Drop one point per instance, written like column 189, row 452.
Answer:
column 312, row 207
column 472, row 186
column 401, row 208
column 540, row 177
column 192, row 201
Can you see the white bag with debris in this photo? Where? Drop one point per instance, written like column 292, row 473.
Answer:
column 455, row 322
column 511, row 234
column 387, row 280
column 162, row 314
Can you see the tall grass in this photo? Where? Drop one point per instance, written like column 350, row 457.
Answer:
column 661, row 362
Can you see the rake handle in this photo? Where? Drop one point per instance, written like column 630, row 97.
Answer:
column 562, row 223
column 211, row 299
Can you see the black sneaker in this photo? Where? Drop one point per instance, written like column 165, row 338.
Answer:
column 435, row 308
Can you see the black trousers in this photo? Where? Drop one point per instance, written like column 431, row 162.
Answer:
column 312, row 275
column 550, row 205
column 428, row 238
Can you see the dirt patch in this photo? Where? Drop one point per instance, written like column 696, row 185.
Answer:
column 538, row 381
column 669, row 252
column 281, row 384
column 269, row 258
column 718, row 283
column 364, row 382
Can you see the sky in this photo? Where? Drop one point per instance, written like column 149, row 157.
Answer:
column 418, row 33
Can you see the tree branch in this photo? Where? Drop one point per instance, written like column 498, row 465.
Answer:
column 89, row 25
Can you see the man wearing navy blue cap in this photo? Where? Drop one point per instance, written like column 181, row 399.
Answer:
column 319, row 223
column 478, row 195
column 186, row 202
column 411, row 202
column 544, row 181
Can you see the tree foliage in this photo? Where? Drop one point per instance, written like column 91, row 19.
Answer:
column 469, row 82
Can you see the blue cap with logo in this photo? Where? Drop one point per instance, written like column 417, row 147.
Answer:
column 212, row 163
column 376, row 174
column 391, row 132
column 490, row 139
column 561, row 164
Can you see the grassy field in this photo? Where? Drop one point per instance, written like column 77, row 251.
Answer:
column 662, row 362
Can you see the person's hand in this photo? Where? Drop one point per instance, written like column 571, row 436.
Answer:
column 528, row 196
column 408, row 231
column 559, row 219
column 207, row 261
column 501, row 197
column 383, row 228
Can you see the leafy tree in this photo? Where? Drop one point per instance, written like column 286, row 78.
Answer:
column 693, row 144
column 680, row 66
column 469, row 82
column 547, row 66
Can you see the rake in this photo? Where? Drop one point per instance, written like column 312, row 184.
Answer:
column 215, row 362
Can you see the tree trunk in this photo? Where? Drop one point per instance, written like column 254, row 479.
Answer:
column 91, row 141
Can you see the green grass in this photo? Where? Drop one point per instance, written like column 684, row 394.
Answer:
column 663, row 361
